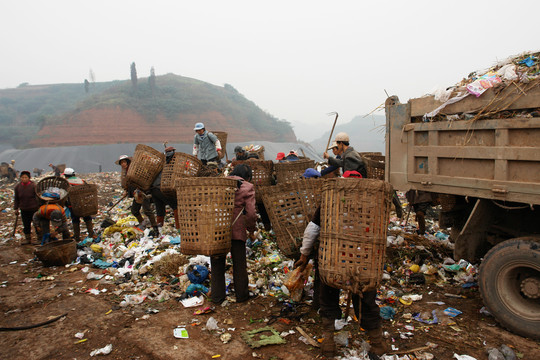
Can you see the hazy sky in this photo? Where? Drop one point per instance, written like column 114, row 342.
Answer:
column 297, row 60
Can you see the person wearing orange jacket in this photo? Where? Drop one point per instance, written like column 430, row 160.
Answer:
column 51, row 214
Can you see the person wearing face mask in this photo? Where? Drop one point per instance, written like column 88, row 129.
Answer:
column 26, row 203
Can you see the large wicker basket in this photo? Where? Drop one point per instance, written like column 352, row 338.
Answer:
column 57, row 253
column 291, row 170
column 83, row 199
column 259, row 151
column 205, row 208
column 222, row 137
column 374, row 166
column 290, row 208
column 52, row 182
column 354, row 221
column 262, row 174
column 181, row 165
column 144, row 168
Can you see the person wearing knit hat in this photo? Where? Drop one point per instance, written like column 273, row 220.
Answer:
column 280, row 156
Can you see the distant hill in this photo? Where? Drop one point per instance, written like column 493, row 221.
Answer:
column 117, row 112
column 366, row 134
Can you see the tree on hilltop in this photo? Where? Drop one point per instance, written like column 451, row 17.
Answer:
column 152, row 80
column 133, row 76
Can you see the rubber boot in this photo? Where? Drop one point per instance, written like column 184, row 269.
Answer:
column 154, row 232
column 328, row 346
column 77, row 231
column 90, row 228
column 378, row 344
column 160, row 220
column 139, row 218
column 27, row 239
column 176, row 220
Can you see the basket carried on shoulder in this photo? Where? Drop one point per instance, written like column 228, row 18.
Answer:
column 259, row 151
column 290, row 208
column 222, row 137
column 52, row 182
column 354, row 221
column 57, row 253
column 83, row 199
column 205, row 209
column 180, row 165
column 4, row 169
column 291, row 170
column 374, row 166
column 144, row 168
column 262, row 172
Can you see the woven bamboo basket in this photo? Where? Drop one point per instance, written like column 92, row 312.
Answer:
column 83, row 199
column 205, row 209
column 447, row 201
column 57, row 253
column 52, row 182
column 259, row 152
column 354, row 221
column 4, row 169
column 144, row 168
column 370, row 153
column 61, row 167
column 262, row 174
column 222, row 137
column 291, row 170
column 374, row 166
column 290, row 208
column 181, row 165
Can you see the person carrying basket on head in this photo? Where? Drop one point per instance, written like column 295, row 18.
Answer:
column 206, row 145
column 74, row 180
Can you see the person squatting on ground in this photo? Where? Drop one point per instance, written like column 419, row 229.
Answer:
column 140, row 200
column 26, row 202
column 160, row 199
column 206, row 145
column 245, row 216
column 51, row 214
column 74, row 180
column 350, row 159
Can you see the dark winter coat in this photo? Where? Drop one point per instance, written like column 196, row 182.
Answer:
column 25, row 197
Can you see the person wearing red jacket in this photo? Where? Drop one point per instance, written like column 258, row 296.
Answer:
column 244, row 212
column 27, row 203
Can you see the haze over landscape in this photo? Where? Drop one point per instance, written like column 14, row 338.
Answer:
column 297, row 61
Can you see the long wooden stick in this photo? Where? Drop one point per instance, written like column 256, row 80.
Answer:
column 15, row 225
column 331, row 132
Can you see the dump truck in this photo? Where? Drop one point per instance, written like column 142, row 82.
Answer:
column 481, row 157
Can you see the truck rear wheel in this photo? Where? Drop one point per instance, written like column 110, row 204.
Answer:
column 509, row 282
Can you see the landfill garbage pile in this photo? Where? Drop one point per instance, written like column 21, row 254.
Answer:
column 521, row 71
column 425, row 298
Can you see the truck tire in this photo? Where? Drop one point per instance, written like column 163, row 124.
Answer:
column 509, row 283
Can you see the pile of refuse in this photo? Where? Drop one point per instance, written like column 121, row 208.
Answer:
column 522, row 71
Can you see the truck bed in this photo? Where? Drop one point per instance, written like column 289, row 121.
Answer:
column 491, row 158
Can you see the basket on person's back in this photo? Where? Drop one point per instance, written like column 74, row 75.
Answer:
column 354, row 222
column 144, row 168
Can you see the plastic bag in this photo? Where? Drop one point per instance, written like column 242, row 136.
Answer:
column 296, row 280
